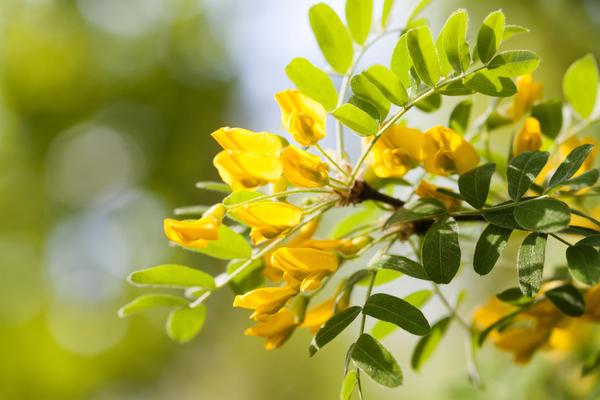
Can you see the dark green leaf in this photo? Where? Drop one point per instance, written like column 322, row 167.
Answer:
column 356, row 119
column 332, row 36
column 570, row 164
column 514, row 63
column 549, row 113
column 214, row 186
column 490, row 36
column 423, row 54
column 358, row 16
column 401, row 264
column 580, row 85
column 388, row 83
column 530, row 263
column 488, row 83
column 584, row 180
column 313, row 82
column 568, row 300
column 441, row 251
column 490, row 245
column 401, row 62
column 592, row 240
column 522, row 171
column 333, row 327
column 431, row 103
column 503, row 217
column 455, row 43
column 397, row 311
column 366, row 90
column 543, row 215
column 592, row 363
column 584, row 263
column 427, row 344
column 514, row 297
column 459, row 118
column 184, row 323
column 416, row 210
column 172, row 275
column 147, row 301
column 376, row 361
column 501, row 323
column 381, row 329
column 475, row 184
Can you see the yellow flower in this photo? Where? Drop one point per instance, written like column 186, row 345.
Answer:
column 303, row 266
column 529, row 137
column 446, row 152
column 318, row 315
column 571, row 143
column 354, row 245
column 303, row 169
column 243, row 170
column 428, row 190
column 196, row 233
column 265, row 301
column 268, row 219
column 399, row 150
column 277, row 328
column 528, row 93
column 322, row 244
column 248, row 141
column 303, row 117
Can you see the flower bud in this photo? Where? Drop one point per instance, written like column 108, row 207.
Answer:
column 303, row 117
column 529, row 137
column 303, row 169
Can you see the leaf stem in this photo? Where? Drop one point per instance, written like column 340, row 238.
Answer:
column 331, row 160
column 270, row 196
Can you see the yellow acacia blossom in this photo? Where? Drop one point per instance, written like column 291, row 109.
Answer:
column 529, row 137
column 303, row 117
column 426, row 189
column 303, row 169
column 446, row 152
column 268, row 219
column 304, row 266
column 265, row 301
column 322, row 244
column 528, row 93
column 276, row 328
column 397, row 151
column 196, row 233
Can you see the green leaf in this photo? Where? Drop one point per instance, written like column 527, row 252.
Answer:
column 388, row 83
column 512, row 30
column 445, row 67
column 441, row 251
column 530, row 263
column 147, row 301
column 241, row 196
column 348, row 385
column 397, row 311
column 584, row 263
column 172, row 275
column 383, row 276
column 376, row 361
column 191, row 210
column 313, row 82
column 455, row 43
column 584, row 180
column 214, row 186
column 332, row 36
column 381, row 329
column 503, row 322
column 401, row 264
column 591, row 240
column 356, row 119
column 568, row 300
column 427, row 344
column 490, row 36
column 459, row 118
column 184, row 323
column 365, row 106
column 416, row 11
column 387, row 7
column 474, row 185
column 358, row 16
column 423, row 54
column 549, row 113
column 229, row 246
column 431, row 103
column 488, row 83
column 333, row 327
column 543, row 215
column 490, row 245
column 514, row 63
column 570, row 164
column 513, row 296
column 580, row 85
column 401, row 61
column 366, row 90
column 251, row 278
column 456, row 88
column 354, row 221
column 503, row 217
column 522, row 171
column 419, row 298
column 417, row 210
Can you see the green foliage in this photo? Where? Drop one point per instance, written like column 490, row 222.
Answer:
column 475, row 184
column 388, row 83
column 459, row 118
column 584, row 263
column 522, row 171
column 423, row 54
column 543, row 215
column 568, row 300
column 348, row 385
column 214, row 186
column 401, row 264
column 149, row 301
column 376, row 361
column 401, row 61
column 356, row 119
column 454, row 40
column 313, row 82
column 397, row 311
column 490, row 36
column 441, row 251
column 229, row 246
column 514, row 63
column 488, row 83
column 417, row 210
column 550, row 115
column 358, row 15
column 530, row 263
column 185, row 323
column 172, row 275
column 332, row 36
column 427, row 345
column 570, row 165
column 580, row 85
column 333, row 327
column 489, row 247
column 369, row 92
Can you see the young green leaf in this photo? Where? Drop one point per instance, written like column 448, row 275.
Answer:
column 348, row 385
column 584, row 180
column 490, row 36
column 445, row 67
column 358, row 15
column 147, row 301
column 550, row 115
column 333, row 327
column 486, row 82
column 251, row 277
column 416, row 11
column 514, row 63
column 584, row 263
column 568, row 300
column 185, row 323
column 401, row 62
column 401, row 264
column 332, row 36
column 490, row 245
column 214, row 186
column 419, row 298
column 431, row 103
column 388, row 83
column 172, row 275
column 356, row 119
column 416, row 210
column 570, row 164
column 580, row 85
column 381, row 329
column 376, row 361
column 512, row 30
column 427, row 344
column 229, row 246
column 366, row 90
column 459, row 118
column 313, row 82
column 522, row 171
column 456, row 88
column 441, row 251
column 365, row 106
column 474, row 185
column 513, row 296
column 423, row 54
column 392, row 309
column 387, row 7
column 530, row 263
column 455, row 43
column 543, row 215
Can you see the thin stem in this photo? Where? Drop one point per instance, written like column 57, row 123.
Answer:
column 331, row 160
column 343, row 184
column 318, row 207
column 270, row 196
column 453, row 312
column 555, row 236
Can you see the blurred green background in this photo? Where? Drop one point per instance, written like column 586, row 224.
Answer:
column 106, row 107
